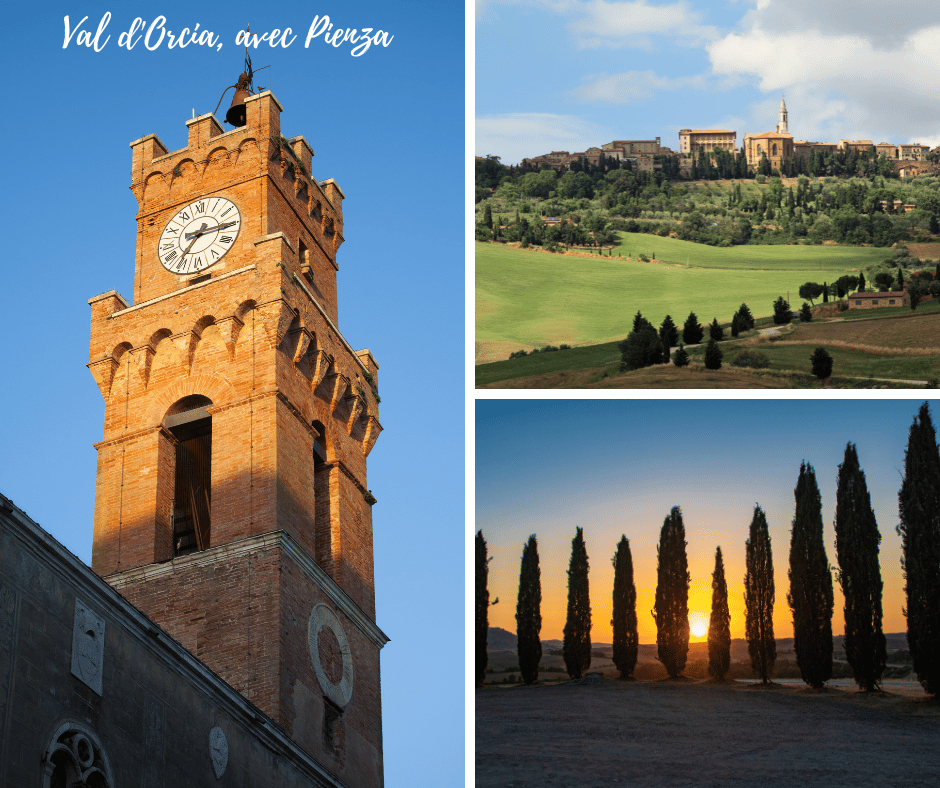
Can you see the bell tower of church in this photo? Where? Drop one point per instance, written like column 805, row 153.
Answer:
column 782, row 123
column 232, row 504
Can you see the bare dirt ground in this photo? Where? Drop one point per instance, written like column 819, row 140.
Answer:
column 685, row 733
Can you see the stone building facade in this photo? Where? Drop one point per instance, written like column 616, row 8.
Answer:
column 626, row 149
column 93, row 692
column 775, row 146
column 694, row 140
column 874, row 300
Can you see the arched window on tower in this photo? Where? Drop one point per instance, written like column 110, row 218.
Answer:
column 773, row 150
column 189, row 422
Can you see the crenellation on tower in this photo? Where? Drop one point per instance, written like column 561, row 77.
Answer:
column 202, row 130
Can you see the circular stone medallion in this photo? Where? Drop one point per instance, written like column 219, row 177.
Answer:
column 322, row 617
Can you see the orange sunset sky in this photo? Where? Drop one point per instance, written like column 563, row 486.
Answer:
column 617, row 467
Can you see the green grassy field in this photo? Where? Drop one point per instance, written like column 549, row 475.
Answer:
column 599, row 365
column 831, row 259
column 527, row 299
column 590, row 357
column 848, row 363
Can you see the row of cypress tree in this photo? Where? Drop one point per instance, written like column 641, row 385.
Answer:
column 811, row 590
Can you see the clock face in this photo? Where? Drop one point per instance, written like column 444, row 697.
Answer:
column 199, row 235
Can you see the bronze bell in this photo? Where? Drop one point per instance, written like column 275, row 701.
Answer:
column 236, row 115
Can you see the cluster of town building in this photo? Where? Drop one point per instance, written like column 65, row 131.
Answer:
column 778, row 145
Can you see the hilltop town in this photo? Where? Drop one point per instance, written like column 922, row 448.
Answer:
column 782, row 152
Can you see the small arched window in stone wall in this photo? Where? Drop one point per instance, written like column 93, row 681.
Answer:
column 774, row 150
column 75, row 759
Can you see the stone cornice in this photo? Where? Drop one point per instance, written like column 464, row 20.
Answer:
column 181, row 291
column 273, row 540
column 127, row 436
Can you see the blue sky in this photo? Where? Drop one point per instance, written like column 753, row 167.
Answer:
column 69, row 230
column 617, row 467
column 568, row 74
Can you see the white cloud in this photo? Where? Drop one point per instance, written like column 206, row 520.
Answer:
column 634, row 87
column 516, row 136
column 885, row 24
column 607, row 23
column 872, row 72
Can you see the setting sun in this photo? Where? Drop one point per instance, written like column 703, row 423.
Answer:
column 698, row 624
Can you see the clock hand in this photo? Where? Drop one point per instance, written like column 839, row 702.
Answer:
column 186, row 250
column 195, row 236
column 203, row 231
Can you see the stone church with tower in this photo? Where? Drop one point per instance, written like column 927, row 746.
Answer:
column 232, row 507
column 776, row 145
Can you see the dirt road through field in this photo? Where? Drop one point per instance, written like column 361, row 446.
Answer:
column 652, row 734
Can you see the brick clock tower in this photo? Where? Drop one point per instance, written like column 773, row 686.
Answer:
column 231, row 502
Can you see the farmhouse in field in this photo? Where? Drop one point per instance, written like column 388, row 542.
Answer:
column 876, row 300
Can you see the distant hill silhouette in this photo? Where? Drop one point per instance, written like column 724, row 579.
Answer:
column 500, row 639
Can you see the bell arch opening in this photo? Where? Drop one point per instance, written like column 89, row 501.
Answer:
column 189, row 422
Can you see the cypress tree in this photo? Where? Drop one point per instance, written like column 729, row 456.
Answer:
column 482, row 606
column 857, row 540
column 642, row 348
column 919, row 505
column 692, row 332
column 669, row 332
column 713, row 355
column 672, row 595
column 529, row 614
column 861, row 282
column 715, row 331
column 746, row 319
column 576, row 648
column 488, row 216
column 681, row 359
column 719, row 623
column 810, row 596
column 900, row 278
column 626, row 639
column 759, row 598
column 821, row 363
column 782, row 314
column 735, row 325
